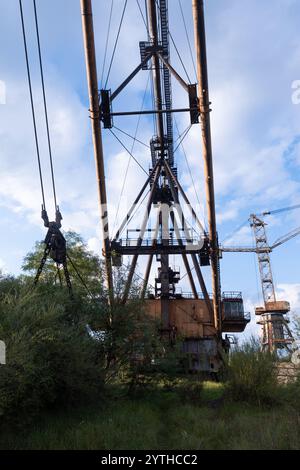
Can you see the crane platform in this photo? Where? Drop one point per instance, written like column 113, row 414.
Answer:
column 192, row 318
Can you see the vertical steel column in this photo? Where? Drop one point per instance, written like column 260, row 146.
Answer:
column 154, row 36
column 91, row 67
column 150, row 261
column 200, row 42
column 153, row 30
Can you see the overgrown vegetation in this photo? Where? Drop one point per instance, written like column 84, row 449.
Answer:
column 251, row 375
column 81, row 376
column 52, row 360
column 159, row 420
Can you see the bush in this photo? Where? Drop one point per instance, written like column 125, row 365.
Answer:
column 251, row 375
column 50, row 358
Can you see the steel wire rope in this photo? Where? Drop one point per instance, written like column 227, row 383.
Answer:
column 188, row 38
column 132, row 149
column 116, row 43
column 143, row 16
column 132, row 137
column 128, row 151
column 79, row 276
column 136, row 211
column 236, row 230
column 32, row 104
column 189, row 168
column 107, row 41
column 45, row 106
column 182, row 137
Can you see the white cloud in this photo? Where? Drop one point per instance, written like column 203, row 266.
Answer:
column 253, row 121
column 290, row 293
column 94, row 245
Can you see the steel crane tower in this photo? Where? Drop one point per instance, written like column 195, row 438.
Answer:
column 199, row 318
column 276, row 334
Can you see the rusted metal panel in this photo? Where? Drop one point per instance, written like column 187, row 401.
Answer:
column 270, row 307
column 190, row 316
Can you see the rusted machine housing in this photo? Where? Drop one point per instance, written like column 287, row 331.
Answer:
column 276, row 333
column 281, row 306
column 192, row 321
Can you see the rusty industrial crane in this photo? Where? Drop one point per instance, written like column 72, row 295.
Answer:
column 199, row 318
column 276, row 334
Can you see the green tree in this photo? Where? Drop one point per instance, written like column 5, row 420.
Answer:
column 86, row 263
column 51, row 360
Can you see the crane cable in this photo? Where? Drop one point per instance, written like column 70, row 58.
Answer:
column 107, row 41
column 132, row 149
column 45, row 106
column 32, row 104
column 33, row 107
column 188, row 166
column 187, row 37
column 53, row 233
column 278, row 211
column 143, row 16
column 116, row 43
column 128, row 151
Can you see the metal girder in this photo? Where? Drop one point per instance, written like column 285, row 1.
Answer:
column 150, row 262
column 158, row 248
column 185, row 198
column 264, row 262
column 185, row 259
column 91, row 67
column 141, row 236
column 136, row 201
column 194, row 257
column 201, row 55
column 153, row 31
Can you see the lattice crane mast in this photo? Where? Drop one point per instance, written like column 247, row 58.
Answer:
column 200, row 319
column 276, row 332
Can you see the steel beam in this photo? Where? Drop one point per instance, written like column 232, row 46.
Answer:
column 157, row 249
column 202, row 284
column 137, row 199
column 130, row 77
column 181, row 190
column 200, row 43
column 153, row 111
column 184, row 257
column 92, row 79
column 141, row 236
column 194, row 257
column 150, row 261
column 153, row 30
column 173, row 72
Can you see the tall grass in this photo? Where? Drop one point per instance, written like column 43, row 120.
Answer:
column 162, row 421
column 251, row 375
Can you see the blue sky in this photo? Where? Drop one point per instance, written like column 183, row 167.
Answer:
column 253, row 57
